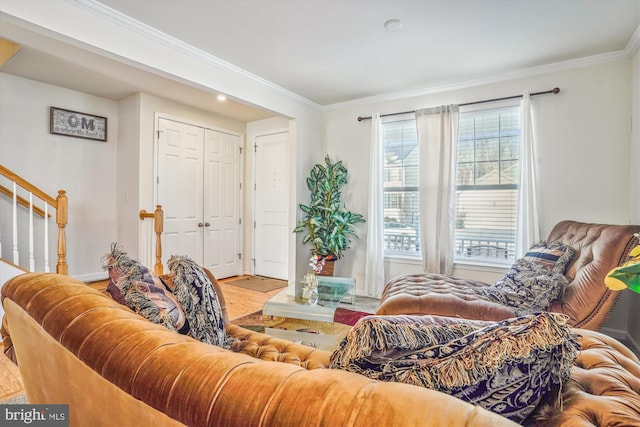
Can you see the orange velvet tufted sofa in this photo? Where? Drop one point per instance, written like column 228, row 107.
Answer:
column 76, row 346
column 587, row 302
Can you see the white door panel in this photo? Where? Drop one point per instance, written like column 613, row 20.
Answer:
column 180, row 188
column 222, row 206
column 272, row 205
column 199, row 190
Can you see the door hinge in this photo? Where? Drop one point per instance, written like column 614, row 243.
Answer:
column 255, row 187
column 241, row 186
column 240, row 150
column 255, row 148
column 239, row 256
column 159, row 132
column 254, row 224
column 240, row 221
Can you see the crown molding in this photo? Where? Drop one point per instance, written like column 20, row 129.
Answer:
column 634, row 43
column 157, row 36
column 496, row 78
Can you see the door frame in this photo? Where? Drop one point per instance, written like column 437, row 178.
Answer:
column 147, row 235
column 252, row 229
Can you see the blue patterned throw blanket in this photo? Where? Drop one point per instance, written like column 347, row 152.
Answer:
column 195, row 292
column 132, row 284
column 189, row 305
column 507, row 367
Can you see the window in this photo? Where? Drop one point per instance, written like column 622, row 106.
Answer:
column 401, row 169
column 487, row 184
column 487, row 175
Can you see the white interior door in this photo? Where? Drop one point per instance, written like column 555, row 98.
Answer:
column 180, row 182
column 222, row 229
column 199, row 190
column 272, row 205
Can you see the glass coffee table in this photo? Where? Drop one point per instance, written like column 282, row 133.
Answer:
column 291, row 318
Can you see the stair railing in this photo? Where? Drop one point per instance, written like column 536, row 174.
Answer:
column 60, row 204
column 158, row 226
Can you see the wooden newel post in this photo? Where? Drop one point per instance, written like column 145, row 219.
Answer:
column 158, row 227
column 62, row 218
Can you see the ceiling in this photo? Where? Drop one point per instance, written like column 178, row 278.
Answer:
column 334, row 51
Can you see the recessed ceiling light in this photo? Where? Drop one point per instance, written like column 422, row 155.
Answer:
column 393, row 25
column 222, row 98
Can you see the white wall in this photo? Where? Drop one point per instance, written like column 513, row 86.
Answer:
column 632, row 299
column 582, row 157
column 92, row 28
column 85, row 168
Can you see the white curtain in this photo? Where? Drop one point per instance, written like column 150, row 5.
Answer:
column 528, row 228
column 374, row 264
column 437, row 139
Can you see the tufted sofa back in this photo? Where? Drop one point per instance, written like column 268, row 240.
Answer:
column 599, row 248
column 112, row 367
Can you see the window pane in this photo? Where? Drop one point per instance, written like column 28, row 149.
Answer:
column 465, row 174
column 487, row 181
column 401, row 200
column 509, row 148
column 465, row 151
column 487, row 173
column 487, row 149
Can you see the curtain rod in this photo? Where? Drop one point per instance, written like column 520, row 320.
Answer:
column 554, row 91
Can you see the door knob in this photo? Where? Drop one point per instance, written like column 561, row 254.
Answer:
column 206, row 224
column 200, row 224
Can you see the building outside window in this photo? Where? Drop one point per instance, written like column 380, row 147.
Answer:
column 487, row 176
column 401, row 169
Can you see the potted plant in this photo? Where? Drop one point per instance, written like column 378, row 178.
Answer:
column 628, row 274
column 328, row 224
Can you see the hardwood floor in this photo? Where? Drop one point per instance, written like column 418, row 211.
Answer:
column 240, row 302
column 10, row 379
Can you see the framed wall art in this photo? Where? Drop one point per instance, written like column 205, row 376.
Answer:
column 79, row 125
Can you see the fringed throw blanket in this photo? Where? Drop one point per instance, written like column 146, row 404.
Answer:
column 534, row 281
column 196, row 294
column 190, row 306
column 507, row 367
column 132, row 284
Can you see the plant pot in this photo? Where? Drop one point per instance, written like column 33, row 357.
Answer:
column 327, row 269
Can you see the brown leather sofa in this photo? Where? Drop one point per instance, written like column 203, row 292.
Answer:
column 587, row 302
column 76, row 346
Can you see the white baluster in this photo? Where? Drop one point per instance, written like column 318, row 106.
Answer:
column 46, row 237
column 32, row 259
column 16, row 255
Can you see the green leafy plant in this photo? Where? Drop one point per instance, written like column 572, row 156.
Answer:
column 628, row 274
column 326, row 221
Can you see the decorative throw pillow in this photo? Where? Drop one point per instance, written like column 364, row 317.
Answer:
column 534, row 281
column 133, row 285
column 552, row 256
column 194, row 290
column 506, row 367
